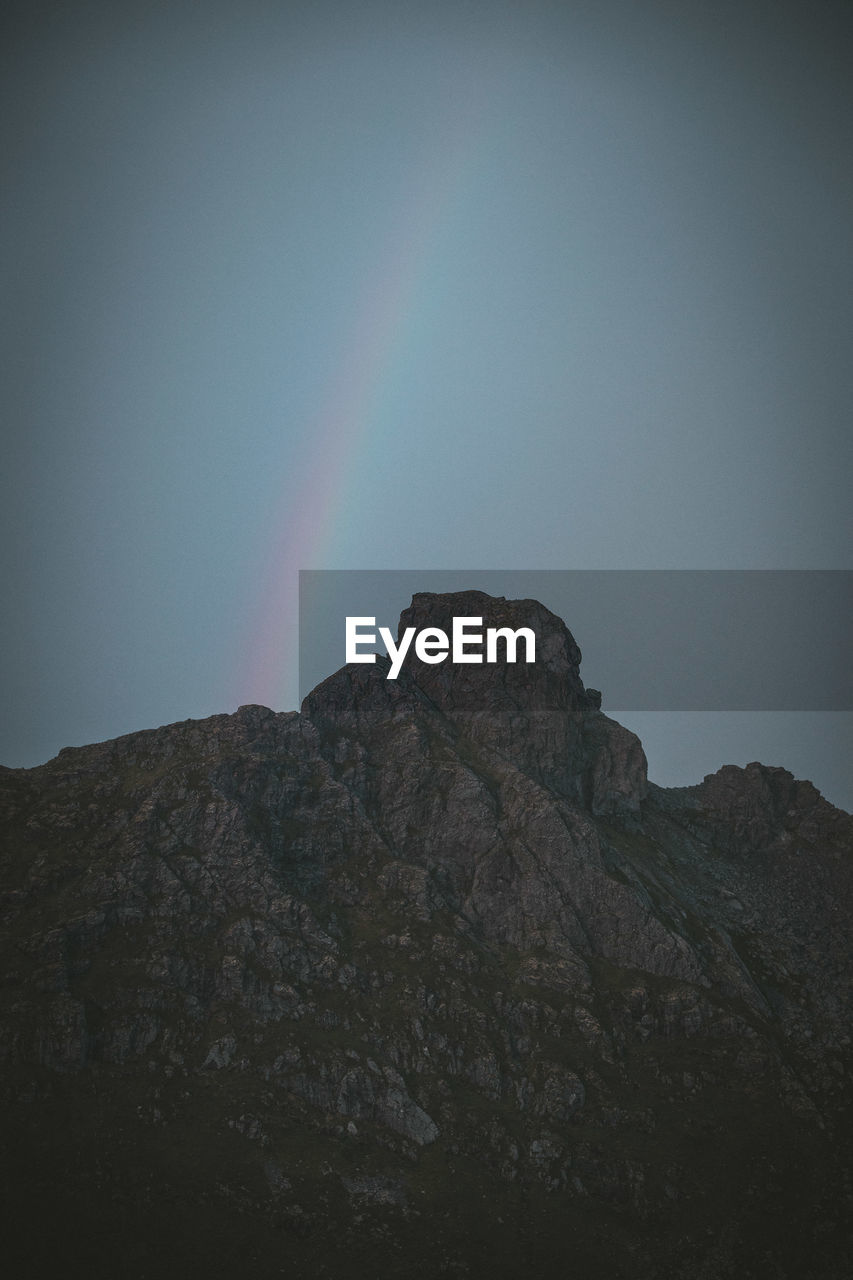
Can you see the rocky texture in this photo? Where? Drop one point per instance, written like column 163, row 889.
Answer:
column 426, row 980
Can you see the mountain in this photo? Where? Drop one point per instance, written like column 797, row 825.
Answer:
column 426, row 980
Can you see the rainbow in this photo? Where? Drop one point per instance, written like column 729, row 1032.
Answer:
column 386, row 318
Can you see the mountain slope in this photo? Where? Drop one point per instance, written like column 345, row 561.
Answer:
column 424, row 980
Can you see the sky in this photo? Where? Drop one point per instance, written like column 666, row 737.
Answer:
column 424, row 286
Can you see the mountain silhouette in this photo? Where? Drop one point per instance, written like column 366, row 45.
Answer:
column 425, row 980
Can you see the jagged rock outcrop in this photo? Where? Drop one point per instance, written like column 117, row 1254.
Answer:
column 424, row 980
column 539, row 717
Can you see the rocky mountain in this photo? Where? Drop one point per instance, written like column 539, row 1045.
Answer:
column 426, row 980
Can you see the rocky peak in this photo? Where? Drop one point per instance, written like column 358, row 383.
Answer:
column 558, row 656
column 759, row 807
column 538, row 715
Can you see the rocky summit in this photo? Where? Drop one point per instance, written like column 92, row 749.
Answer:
column 425, row 980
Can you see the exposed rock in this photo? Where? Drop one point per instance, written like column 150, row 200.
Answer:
column 426, row 979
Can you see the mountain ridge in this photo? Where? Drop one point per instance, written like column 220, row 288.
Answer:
column 425, row 979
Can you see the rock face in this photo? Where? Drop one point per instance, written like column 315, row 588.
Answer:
column 425, row 980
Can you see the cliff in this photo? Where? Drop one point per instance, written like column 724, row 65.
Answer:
column 426, row 979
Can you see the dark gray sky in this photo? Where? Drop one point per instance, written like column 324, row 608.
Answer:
column 406, row 285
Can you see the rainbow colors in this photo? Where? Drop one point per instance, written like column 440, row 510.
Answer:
column 385, row 324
